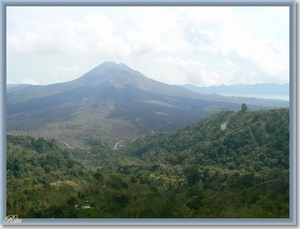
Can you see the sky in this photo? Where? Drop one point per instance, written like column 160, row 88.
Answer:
column 202, row 46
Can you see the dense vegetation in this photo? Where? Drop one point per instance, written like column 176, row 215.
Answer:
column 231, row 165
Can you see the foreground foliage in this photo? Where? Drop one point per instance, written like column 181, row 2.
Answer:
column 231, row 165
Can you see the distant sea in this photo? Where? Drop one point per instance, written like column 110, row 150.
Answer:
column 260, row 96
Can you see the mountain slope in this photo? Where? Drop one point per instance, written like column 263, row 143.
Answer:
column 111, row 101
column 265, row 88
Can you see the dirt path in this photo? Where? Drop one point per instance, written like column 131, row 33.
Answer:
column 67, row 145
column 116, row 145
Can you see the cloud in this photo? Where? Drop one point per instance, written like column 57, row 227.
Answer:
column 179, row 71
column 30, row 81
column 53, row 73
column 221, row 39
column 199, row 45
column 33, row 37
column 10, row 82
column 68, row 69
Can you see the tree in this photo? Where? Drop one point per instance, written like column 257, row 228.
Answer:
column 192, row 174
column 98, row 176
column 244, row 107
column 193, row 203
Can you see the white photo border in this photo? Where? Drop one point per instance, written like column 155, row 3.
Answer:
column 157, row 222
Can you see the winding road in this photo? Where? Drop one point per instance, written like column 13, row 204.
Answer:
column 116, row 145
column 67, row 145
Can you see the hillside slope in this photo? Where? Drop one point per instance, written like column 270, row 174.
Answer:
column 231, row 165
column 111, row 101
column 250, row 141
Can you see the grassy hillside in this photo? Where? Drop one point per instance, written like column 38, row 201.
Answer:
column 231, row 165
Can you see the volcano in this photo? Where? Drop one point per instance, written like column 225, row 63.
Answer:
column 111, row 101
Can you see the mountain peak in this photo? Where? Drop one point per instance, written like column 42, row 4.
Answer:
column 102, row 68
column 105, row 65
column 111, row 73
column 108, row 64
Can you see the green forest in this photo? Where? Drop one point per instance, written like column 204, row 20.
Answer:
column 230, row 165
